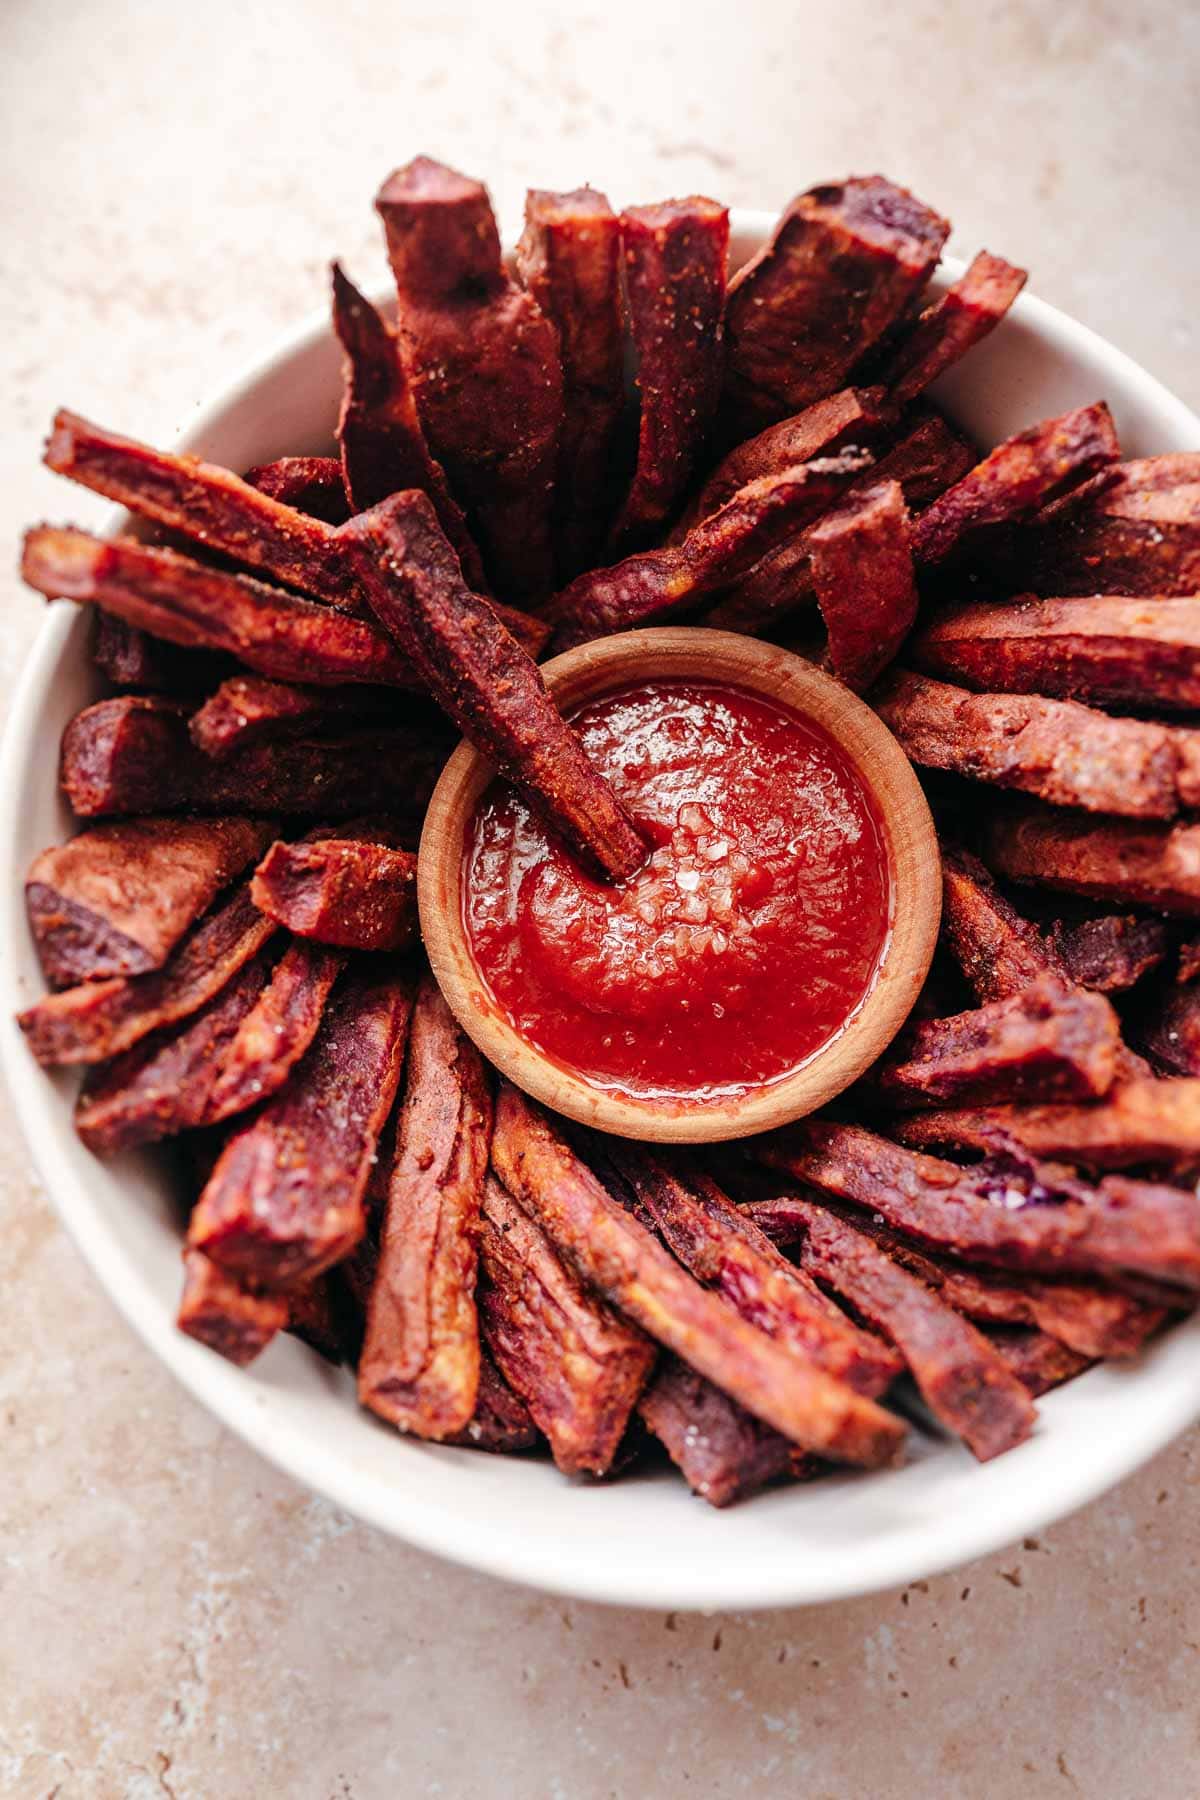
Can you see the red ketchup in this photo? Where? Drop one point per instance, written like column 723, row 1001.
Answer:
column 750, row 938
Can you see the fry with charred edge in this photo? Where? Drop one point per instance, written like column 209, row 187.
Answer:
column 1110, row 953
column 925, row 463
column 1126, row 860
column 722, row 1451
column 134, row 755
column 1142, row 1120
column 1168, row 1028
column 945, row 331
column 657, row 584
column 485, row 682
column 1038, row 1360
column 419, row 1366
column 276, row 1032
column 962, row 1381
column 163, row 1085
column 578, row 1365
column 1100, row 647
column 1139, row 534
column 310, row 484
column 501, row 1422
column 860, row 565
column 344, row 891
column 979, row 1215
column 116, row 900
column 485, row 365
column 854, row 417
column 98, row 1019
column 219, row 1311
column 999, row 951
column 204, row 502
column 216, row 508
column 569, row 259
column 1049, row 1041
column 1056, row 750
column 188, row 603
column 845, row 262
column 251, row 709
column 285, row 1200
column 1094, row 1320
column 1020, row 475
column 674, row 255
column 610, row 1250
column 383, row 446
column 725, row 1250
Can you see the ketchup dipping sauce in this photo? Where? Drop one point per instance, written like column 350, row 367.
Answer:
column 750, row 938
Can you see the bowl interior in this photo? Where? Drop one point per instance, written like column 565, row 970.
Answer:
column 645, row 1540
column 910, row 846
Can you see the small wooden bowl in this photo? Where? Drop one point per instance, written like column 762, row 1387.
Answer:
column 688, row 653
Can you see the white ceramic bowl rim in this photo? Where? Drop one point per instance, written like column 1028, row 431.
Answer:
column 633, row 1542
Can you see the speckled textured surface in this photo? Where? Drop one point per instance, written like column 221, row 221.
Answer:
column 175, row 1618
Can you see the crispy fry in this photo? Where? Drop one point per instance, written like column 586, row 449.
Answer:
column 163, row 1085
column 852, row 418
column 657, row 584
column 116, row 900
column 383, row 446
column 1109, row 953
column 620, row 1258
column 311, row 1318
column 349, row 891
column 845, row 262
column 1126, row 860
column 1050, row 1041
column 985, row 1216
column 722, row 1451
column 1138, row 534
column 1057, row 750
column 860, row 565
column 1093, row 1320
column 1142, row 1120
column 98, row 1019
column 945, row 331
column 1100, row 647
column 962, row 1381
column 250, row 709
column 926, row 461
column 310, row 484
column 275, row 1033
column 285, row 1200
column 485, row 681
column 569, row 259
column 484, row 362
column 217, row 1310
column 1018, row 477
column 1038, row 1361
column 999, row 951
column 674, row 255
column 200, row 607
column 134, row 755
column 419, row 1366
column 724, row 1250
column 578, row 1365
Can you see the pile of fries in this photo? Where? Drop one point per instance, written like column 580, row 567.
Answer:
column 232, row 942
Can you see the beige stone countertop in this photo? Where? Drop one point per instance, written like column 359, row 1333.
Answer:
column 175, row 1617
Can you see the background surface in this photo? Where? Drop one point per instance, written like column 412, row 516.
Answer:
column 175, row 1618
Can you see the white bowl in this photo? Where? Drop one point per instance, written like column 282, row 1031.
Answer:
column 644, row 1540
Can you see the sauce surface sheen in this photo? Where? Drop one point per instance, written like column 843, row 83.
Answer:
column 754, row 931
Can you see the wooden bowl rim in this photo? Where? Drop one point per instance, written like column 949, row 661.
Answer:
column 690, row 652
